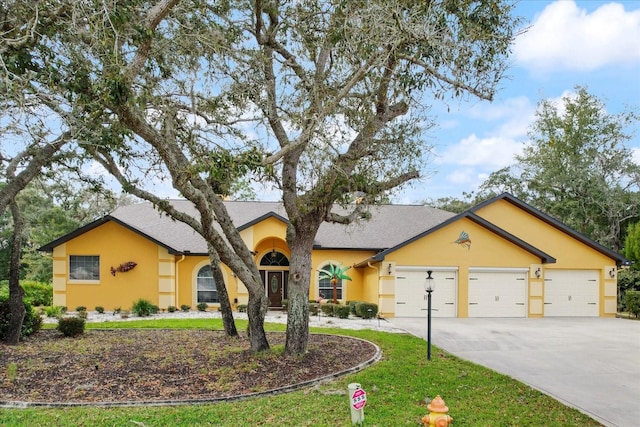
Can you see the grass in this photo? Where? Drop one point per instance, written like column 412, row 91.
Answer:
column 396, row 389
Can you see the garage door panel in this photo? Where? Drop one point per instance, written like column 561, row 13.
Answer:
column 411, row 298
column 497, row 294
column 571, row 293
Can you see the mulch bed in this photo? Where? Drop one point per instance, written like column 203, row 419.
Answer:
column 159, row 365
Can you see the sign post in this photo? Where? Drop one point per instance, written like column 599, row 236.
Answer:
column 357, row 401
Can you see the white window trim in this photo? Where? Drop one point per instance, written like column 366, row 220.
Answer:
column 83, row 281
column 194, row 284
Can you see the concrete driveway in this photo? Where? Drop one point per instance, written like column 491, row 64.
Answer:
column 592, row 364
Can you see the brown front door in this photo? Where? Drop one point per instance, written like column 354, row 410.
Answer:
column 274, row 288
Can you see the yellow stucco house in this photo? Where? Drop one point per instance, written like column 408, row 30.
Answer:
column 501, row 258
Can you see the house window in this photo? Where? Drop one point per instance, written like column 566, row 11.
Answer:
column 206, row 285
column 84, row 267
column 325, row 287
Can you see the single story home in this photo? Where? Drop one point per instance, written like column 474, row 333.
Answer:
column 501, row 258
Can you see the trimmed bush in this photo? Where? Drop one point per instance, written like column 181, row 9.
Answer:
column 341, row 311
column 100, row 309
column 366, row 310
column 202, row 306
column 71, row 326
column 327, row 308
column 185, row 307
column 171, row 309
column 352, row 306
column 143, row 308
column 30, row 325
column 242, row 308
column 81, row 308
column 632, row 302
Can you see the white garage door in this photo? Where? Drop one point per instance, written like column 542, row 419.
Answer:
column 411, row 299
column 571, row 293
column 497, row 293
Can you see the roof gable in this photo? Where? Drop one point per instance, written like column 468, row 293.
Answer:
column 509, row 198
column 544, row 257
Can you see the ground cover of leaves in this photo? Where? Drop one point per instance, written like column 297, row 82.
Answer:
column 147, row 364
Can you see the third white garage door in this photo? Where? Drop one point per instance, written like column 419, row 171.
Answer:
column 411, row 297
column 571, row 293
column 497, row 293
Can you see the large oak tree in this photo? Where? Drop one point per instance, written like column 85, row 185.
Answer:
column 322, row 99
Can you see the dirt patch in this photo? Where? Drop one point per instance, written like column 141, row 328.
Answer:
column 150, row 365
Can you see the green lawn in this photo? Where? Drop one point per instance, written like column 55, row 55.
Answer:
column 396, row 390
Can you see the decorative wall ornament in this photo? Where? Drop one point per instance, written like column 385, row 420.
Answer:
column 463, row 240
column 123, row 268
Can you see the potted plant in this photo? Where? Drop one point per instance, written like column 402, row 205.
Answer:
column 335, row 273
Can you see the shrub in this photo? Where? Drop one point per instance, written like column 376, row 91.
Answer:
column 81, row 308
column 30, row 325
column 37, row 293
column 83, row 314
column 116, row 310
column 100, row 309
column 143, row 307
column 366, row 310
column 285, row 304
column 202, row 306
column 185, row 307
column 171, row 309
column 632, row 302
column 54, row 311
column 352, row 306
column 327, row 308
column 242, row 308
column 341, row 311
column 71, row 326
column 628, row 280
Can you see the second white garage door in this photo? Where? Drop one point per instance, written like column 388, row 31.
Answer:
column 571, row 293
column 411, row 298
column 497, row 293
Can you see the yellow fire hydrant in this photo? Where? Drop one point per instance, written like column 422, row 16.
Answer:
column 437, row 416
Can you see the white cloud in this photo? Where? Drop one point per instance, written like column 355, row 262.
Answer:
column 492, row 152
column 565, row 36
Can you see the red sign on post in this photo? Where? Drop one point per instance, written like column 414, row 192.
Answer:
column 358, row 399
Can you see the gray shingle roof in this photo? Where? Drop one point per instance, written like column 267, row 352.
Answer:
column 389, row 224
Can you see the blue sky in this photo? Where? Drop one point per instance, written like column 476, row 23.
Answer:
column 584, row 42
column 590, row 43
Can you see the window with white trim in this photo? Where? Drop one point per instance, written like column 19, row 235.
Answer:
column 84, row 267
column 325, row 287
column 206, row 286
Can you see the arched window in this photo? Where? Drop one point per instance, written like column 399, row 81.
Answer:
column 206, row 285
column 325, row 287
column 275, row 258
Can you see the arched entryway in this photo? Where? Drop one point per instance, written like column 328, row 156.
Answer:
column 274, row 269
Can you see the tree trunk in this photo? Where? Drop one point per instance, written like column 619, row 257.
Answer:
column 256, row 310
column 16, row 293
column 299, row 278
column 223, row 296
